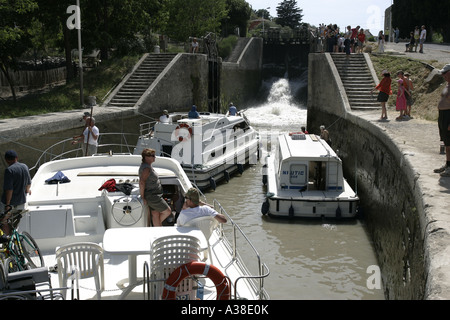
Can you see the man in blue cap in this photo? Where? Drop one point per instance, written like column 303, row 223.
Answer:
column 16, row 186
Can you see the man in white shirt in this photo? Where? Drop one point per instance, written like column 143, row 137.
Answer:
column 423, row 37
column 164, row 117
column 194, row 208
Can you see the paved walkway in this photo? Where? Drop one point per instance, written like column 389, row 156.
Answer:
column 419, row 142
column 437, row 52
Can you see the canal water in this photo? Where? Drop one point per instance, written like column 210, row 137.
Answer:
column 320, row 259
column 308, row 259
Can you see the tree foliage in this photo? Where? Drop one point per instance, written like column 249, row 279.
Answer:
column 289, row 15
column 195, row 18
column 15, row 20
column 239, row 12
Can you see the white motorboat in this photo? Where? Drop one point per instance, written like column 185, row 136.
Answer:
column 210, row 148
column 304, row 178
column 93, row 213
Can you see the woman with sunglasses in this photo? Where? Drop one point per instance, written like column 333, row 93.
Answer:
column 151, row 190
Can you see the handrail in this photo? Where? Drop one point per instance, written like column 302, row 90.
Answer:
column 263, row 269
column 49, row 154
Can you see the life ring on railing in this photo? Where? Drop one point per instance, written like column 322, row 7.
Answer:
column 181, row 137
column 195, row 267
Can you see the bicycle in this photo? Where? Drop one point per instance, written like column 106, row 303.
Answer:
column 18, row 251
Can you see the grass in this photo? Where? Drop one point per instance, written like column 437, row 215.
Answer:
column 96, row 82
column 426, row 96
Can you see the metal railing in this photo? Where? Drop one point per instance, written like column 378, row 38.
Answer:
column 263, row 269
column 65, row 149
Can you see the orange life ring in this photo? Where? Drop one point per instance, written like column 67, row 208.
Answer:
column 195, row 267
column 181, row 126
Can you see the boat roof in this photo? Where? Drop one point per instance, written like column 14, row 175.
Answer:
column 306, row 146
column 87, row 175
column 208, row 117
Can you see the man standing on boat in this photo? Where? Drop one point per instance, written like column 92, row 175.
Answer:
column 232, row 111
column 325, row 135
column 192, row 209
column 90, row 137
column 16, row 186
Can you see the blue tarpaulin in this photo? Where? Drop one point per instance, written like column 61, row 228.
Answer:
column 59, row 177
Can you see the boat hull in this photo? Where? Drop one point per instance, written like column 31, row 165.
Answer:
column 310, row 208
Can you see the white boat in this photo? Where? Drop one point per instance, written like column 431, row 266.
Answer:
column 304, row 178
column 77, row 215
column 210, row 148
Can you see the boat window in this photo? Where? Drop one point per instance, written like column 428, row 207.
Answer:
column 298, row 174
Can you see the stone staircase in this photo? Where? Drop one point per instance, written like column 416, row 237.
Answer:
column 136, row 85
column 357, row 80
column 237, row 50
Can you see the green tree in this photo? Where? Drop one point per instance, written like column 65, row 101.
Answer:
column 15, row 19
column 239, row 12
column 263, row 13
column 195, row 18
column 289, row 14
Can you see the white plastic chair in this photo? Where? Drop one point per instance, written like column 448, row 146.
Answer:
column 207, row 225
column 86, row 258
column 167, row 254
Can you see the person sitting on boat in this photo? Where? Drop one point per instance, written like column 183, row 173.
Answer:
column 164, row 117
column 151, row 191
column 304, row 130
column 232, row 111
column 193, row 114
column 194, row 208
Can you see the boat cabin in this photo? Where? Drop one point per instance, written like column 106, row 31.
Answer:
column 304, row 162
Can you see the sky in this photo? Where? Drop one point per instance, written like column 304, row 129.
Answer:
column 369, row 14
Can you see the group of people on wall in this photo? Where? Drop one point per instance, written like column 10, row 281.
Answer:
column 352, row 40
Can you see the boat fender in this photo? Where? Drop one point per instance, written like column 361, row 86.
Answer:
column 291, row 211
column 264, row 176
column 265, row 207
column 212, row 183
column 338, row 212
column 226, row 175
column 195, row 267
column 177, row 132
column 240, row 167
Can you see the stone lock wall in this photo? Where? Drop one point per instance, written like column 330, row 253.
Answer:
column 384, row 181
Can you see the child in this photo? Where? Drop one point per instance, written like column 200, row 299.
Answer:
column 400, row 104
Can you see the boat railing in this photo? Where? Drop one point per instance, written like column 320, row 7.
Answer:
column 263, row 269
column 107, row 144
column 146, row 128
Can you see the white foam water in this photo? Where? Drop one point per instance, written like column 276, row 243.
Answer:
column 281, row 110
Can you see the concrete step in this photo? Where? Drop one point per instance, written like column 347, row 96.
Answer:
column 357, row 80
column 141, row 79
